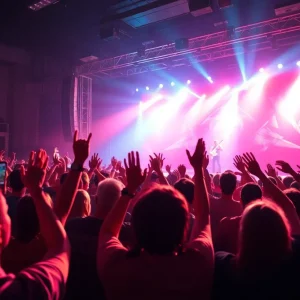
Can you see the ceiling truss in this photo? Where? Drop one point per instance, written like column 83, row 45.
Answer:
column 254, row 37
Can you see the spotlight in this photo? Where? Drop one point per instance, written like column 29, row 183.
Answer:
column 172, row 83
column 147, row 88
column 136, row 89
column 188, row 82
column 298, row 63
column 161, row 86
column 261, row 70
column 280, row 66
column 209, row 79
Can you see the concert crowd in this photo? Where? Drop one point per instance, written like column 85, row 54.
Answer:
column 72, row 228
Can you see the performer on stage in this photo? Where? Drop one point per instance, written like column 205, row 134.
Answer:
column 215, row 153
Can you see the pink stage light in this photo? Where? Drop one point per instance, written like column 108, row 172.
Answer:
column 261, row 70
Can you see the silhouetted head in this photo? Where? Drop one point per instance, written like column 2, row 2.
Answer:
column 216, row 180
column 15, row 181
column 295, row 185
column 160, row 220
column 287, row 181
column 294, row 196
column 27, row 222
column 250, row 192
column 82, row 205
column 264, row 237
column 85, row 181
column 186, row 187
column 228, row 183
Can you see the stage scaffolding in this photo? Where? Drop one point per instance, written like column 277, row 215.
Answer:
column 286, row 31
column 233, row 41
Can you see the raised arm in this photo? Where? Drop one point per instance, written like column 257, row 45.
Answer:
column 273, row 173
column 286, row 168
column 201, row 201
column 69, row 188
column 51, row 228
column 156, row 163
column 94, row 164
column 113, row 222
column 277, row 195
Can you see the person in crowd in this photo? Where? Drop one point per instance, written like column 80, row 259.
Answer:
column 82, row 205
column 225, row 206
column 161, row 252
column 83, row 234
column 294, row 196
column 216, row 185
column 27, row 246
column 267, row 257
column 47, row 278
column 227, row 236
column 18, row 190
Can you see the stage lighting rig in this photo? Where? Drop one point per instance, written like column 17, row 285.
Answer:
column 40, row 4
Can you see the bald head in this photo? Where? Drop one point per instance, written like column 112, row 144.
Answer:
column 108, row 193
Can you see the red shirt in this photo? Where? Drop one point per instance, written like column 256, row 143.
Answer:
column 185, row 276
column 44, row 280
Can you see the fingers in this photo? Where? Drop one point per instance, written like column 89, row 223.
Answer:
column 31, row 158
column 89, row 138
column 144, row 175
column 125, row 163
column 132, row 158
column 75, row 137
column 188, row 155
column 138, row 159
column 46, row 163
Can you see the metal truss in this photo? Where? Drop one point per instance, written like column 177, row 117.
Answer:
column 203, row 48
column 84, row 105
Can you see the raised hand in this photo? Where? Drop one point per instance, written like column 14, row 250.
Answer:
column 168, row 169
column 182, row 170
column 196, row 160
column 56, row 159
column 284, row 167
column 95, row 162
column 34, row 177
column 205, row 161
column 239, row 164
column 133, row 172
column 251, row 164
column 155, row 163
column 81, row 149
column 271, row 171
column 114, row 162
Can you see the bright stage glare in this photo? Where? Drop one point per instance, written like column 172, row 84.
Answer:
column 161, row 86
column 136, row 89
column 147, row 88
column 280, row 66
column 209, row 79
column 188, row 82
column 261, row 70
column 172, row 83
column 298, row 63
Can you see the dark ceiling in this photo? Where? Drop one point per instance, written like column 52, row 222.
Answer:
column 70, row 29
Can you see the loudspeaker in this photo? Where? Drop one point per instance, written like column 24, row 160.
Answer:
column 68, row 106
column 200, row 7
